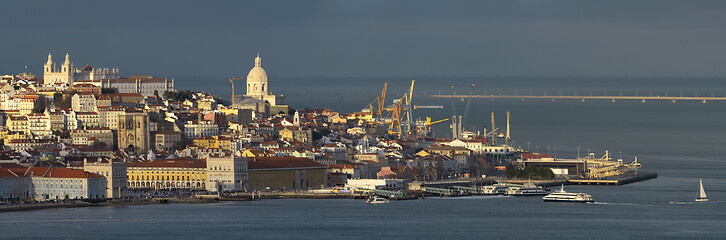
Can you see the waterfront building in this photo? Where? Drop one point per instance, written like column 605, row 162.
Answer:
column 51, row 183
column 83, row 102
column 114, row 171
column 67, row 74
column 225, row 172
column 285, row 173
column 133, row 130
column 352, row 171
column 386, row 184
column 500, row 150
column 475, row 145
column 178, row 173
column 13, row 185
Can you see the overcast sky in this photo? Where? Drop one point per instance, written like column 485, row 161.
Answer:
column 371, row 38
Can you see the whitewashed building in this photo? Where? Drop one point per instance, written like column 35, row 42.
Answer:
column 225, row 172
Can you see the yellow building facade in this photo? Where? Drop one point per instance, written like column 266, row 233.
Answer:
column 213, row 142
column 179, row 173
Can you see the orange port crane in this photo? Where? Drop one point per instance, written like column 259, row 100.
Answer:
column 376, row 107
column 231, row 80
column 401, row 107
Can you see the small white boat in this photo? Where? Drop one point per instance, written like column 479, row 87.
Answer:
column 526, row 190
column 562, row 196
column 701, row 193
column 376, row 200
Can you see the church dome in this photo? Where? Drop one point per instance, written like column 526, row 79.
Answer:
column 257, row 74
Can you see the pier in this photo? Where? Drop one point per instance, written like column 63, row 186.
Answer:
column 616, row 180
column 584, row 98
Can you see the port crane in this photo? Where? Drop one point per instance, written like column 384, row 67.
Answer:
column 231, row 80
column 400, row 114
column 376, row 107
column 605, row 166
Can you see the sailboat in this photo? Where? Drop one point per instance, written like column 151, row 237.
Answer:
column 701, row 193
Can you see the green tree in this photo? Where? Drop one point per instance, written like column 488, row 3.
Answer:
column 40, row 105
column 511, row 171
column 156, row 93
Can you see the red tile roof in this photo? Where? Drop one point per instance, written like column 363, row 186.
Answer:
column 53, row 172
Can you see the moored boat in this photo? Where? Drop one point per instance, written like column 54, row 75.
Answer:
column 526, row 190
column 376, row 200
column 496, row 189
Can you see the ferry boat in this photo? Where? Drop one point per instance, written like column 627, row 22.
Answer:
column 562, row 196
column 526, row 190
column 495, row 189
column 376, row 200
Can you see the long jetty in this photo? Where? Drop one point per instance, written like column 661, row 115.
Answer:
column 584, row 98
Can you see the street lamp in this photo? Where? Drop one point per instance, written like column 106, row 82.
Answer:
column 578, row 152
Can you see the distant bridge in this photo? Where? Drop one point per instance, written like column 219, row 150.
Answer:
column 584, row 98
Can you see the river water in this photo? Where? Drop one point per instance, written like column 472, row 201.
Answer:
column 682, row 142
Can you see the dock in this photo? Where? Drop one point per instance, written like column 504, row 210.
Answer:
column 583, row 98
column 616, row 180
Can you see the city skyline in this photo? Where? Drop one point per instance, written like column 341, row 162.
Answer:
column 369, row 39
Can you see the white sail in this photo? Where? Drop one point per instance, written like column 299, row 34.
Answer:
column 701, row 192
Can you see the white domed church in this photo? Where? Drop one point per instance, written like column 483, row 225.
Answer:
column 258, row 96
column 258, row 87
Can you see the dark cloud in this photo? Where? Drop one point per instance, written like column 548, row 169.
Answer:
column 372, row 38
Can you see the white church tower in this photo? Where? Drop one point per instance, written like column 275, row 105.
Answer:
column 52, row 75
column 296, row 119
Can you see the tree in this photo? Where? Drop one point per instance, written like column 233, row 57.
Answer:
column 99, row 145
column 40, row 105
column 57, row 97
column 512, row 172
column 109, row 90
